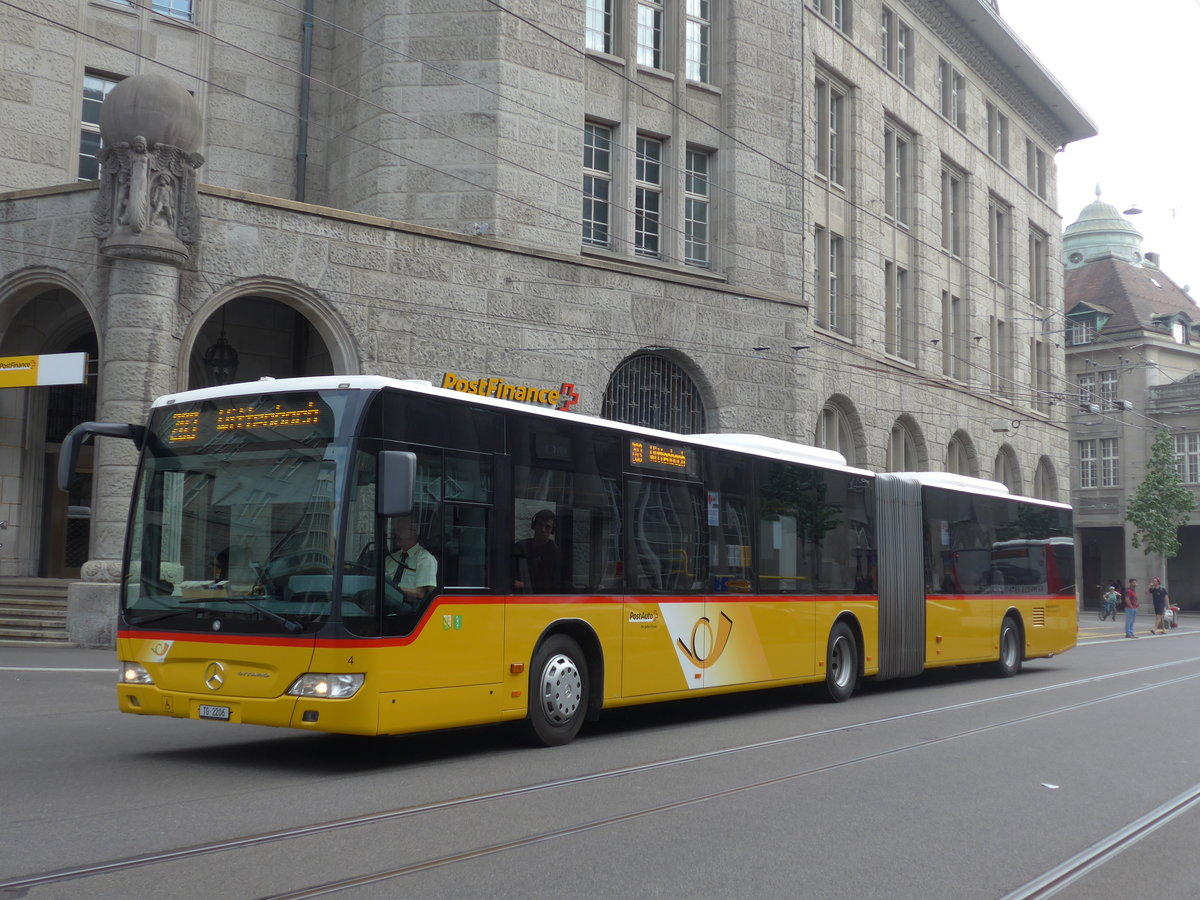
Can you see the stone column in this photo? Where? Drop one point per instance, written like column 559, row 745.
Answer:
column 146, row 218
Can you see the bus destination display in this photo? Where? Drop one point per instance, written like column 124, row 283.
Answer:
column 663, row 458
column 184, row 426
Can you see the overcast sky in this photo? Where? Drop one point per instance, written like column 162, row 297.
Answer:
column 1133, row 68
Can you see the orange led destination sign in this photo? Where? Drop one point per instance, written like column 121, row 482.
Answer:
column 563, row 397
column 185, row 425
column 649, row 455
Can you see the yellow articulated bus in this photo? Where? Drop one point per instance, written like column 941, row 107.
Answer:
column 369, row 556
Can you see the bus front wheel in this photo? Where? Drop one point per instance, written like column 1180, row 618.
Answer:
column 558, row 691
column 1009, row 663
column 841, row 663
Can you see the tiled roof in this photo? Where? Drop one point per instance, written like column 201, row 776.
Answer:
column 1136, row 295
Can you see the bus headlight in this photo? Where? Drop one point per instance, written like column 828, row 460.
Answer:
column 135, row 673
column 333, row 687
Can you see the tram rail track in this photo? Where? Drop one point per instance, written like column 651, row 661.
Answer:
column 18, row 887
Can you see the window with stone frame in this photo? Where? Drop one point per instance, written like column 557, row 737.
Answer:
column 896, row 45
column 832, row 116
column 997, row 142
column 999, row 240
column 597, row 185
column 698, row 41
column 952, row 95
column 899, row 326
column 598, row 26
column 648, row 197
column 697, row 200
column 829, row 278
column 650, row 34
column 953, row 210
column 96, row 88
column 897, row 199
column 836, row 11
column 1187, row 457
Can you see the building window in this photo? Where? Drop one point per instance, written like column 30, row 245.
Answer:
column 650, row 34
column 902, row 453
column 697, row 246
column 999, row 240
column 834, row 432
column 896, row 45
column 1187, row 457
column 176, row 9
column 598, row 26
column 831, row 119
column 1108, row 389
column 597, row 184
column 647, row 203
column 1035, row 168
column 1087, row 464
column 836, row 11
column 952, row 88
column 899, row 326
column 1099, row 463
column 997, row 144
column 830, row 289
column 699, row 40
column 1039, row 266
column 653, row 392
column 95, row 91
column 1039, row 358
column 953, row 221
column 958, row 457
column 896, row 164
column 1006, row 471
column 954, row 336
column 1110, row 463
column 1001, row 362
column 1086, row 384
column 1081, row 331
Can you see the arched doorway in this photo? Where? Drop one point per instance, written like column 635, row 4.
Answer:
column 248, row 338
column 51, row 529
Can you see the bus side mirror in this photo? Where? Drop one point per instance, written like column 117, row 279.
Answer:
column 68, row 454
column 397, row 477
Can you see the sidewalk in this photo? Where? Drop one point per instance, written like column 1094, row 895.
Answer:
column 1091, row 627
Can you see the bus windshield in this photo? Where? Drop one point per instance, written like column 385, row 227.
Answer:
column 235, row 516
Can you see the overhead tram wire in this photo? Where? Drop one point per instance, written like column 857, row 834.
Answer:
column 783, row 210
column 724, row 249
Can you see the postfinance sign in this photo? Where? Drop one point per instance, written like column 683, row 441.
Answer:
column 38, row 371
column 563, row 397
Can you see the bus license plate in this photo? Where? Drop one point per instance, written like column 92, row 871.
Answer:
column 215, row 712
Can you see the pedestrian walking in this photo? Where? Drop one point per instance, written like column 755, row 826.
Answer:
column 1158, row 594
column 1131, row 607
column 1111, row 600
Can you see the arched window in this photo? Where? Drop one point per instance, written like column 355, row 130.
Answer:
column 654, row 392
column 835, row 431
column 960, row 455
column 1045, row 480
column 1006, row 470
column 906, row 449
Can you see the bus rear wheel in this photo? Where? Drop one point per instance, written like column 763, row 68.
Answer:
column 841, row 663
column 1009, row 663
column 558, row 691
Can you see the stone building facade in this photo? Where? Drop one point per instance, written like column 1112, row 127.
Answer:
column 831, row 222
column 1133, row 353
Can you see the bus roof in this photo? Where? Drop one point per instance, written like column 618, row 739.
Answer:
column 752, row 444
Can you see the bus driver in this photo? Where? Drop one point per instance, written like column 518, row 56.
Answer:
column 410, row 567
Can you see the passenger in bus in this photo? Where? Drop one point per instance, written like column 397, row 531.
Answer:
column 538, row 563
column 409, row 567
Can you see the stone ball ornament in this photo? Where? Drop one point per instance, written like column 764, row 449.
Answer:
column 147, row 207
column 152, row 107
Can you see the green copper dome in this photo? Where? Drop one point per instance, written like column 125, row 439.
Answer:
column 1099, row 231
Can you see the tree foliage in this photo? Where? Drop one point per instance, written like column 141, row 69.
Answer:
column 1161, row 503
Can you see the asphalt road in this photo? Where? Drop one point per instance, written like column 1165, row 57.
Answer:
column 1078, row 776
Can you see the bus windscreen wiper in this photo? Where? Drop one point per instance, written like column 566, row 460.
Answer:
column 286, row 623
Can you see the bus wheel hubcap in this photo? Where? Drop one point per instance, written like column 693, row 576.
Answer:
column 562, row 688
